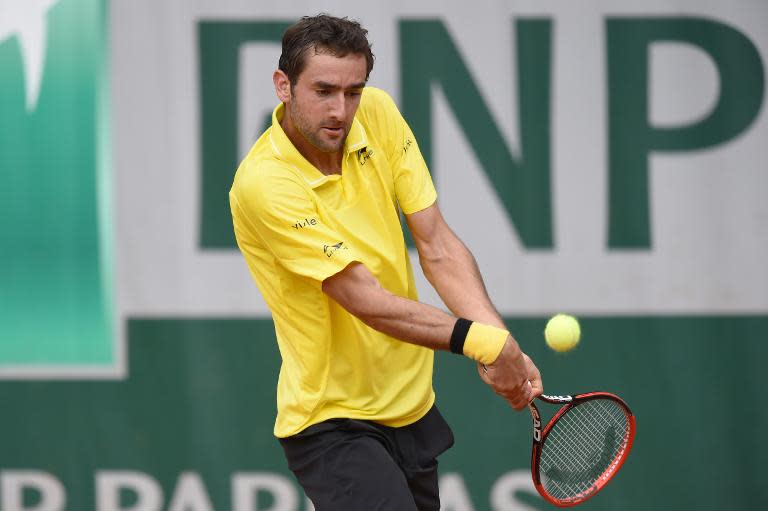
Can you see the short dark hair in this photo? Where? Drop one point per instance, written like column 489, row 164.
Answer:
column 323, row 34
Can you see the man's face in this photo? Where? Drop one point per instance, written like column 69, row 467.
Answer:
column 325, row 97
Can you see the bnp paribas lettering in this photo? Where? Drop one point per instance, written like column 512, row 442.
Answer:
column 521, row 177
column 305, row 223
column 191, row 492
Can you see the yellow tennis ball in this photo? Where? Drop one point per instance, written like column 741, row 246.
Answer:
column 562, row 333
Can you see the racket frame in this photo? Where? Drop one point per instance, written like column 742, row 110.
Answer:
column 540, row 436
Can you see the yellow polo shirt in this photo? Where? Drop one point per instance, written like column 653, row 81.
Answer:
column 296, row 227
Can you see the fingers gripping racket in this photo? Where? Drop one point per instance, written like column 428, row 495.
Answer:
column 581, row 447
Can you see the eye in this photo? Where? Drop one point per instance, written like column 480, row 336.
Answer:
column 353, row 93
column 323, row 92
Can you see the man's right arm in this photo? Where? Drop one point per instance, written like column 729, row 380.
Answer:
column 359, row 292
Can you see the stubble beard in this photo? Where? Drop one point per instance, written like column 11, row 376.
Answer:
column 312, row 134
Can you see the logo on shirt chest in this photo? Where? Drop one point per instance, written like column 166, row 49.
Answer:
column 363, row 155
column 329, row 250
column 307, row 222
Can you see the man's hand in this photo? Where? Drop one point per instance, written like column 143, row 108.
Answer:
column 534, row 377
column 513, row 376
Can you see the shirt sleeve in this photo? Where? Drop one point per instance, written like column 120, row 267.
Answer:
column 283, row 215
column 414, row 188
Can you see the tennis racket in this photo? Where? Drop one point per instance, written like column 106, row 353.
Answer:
column 582, row 446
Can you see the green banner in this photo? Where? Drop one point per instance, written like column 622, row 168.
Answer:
column 193, row 422
column 55, row 219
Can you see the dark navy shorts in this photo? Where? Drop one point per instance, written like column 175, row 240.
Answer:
column 357, row 465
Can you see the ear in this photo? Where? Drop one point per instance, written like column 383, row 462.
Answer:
column 282, row 85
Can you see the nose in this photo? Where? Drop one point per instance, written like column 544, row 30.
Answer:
column 337, row 106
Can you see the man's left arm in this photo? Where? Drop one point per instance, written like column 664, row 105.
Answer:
column 451, row 268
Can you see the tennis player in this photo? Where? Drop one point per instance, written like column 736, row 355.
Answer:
column 316, row 209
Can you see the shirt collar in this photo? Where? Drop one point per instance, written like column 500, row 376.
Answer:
column 284, row 149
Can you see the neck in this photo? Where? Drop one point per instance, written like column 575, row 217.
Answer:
column 325, row 162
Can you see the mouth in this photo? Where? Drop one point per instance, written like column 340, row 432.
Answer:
column 333, row 130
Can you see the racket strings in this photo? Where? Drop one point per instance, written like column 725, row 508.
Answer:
column 581, row 446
